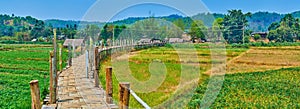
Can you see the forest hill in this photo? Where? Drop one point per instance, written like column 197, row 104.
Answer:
column 235, row 27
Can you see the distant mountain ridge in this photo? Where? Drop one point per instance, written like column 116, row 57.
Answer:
column 258, row 22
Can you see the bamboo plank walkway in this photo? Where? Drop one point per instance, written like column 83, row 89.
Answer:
column 78, row 92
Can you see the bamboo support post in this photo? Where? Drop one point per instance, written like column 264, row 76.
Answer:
column 124, row 94
column 69, row 55
column 87, row 63
column 96, row 76
column 73, row 50
column 52, row 99
column 60, row 57
column 35, row 94
column 54, row 68
column 109, row 85
column 54, row 50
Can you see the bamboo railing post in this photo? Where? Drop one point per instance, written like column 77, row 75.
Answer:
column 87, row 63
column 73, row 50
column 35, row 94
column 69, row 55
column 81, row 48
column 124, row 93
column 54, row 67
column 96, row 67
column 52, row 99
column 60, row 57
column 109, row 84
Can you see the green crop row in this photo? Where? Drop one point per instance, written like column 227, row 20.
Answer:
column 21, row 63
column 270, row 89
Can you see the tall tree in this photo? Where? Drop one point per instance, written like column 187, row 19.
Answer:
column 217, row 29
column 198, row 30
column 118, row 30
column 287, row 30
column 234, row 25
column 106, row 32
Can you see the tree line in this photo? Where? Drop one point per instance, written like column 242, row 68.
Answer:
column 27, row 28
column 233, row 27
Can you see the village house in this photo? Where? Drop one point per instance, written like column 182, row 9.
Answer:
column 176, row 40
column 262, row 34
column 73, row 42
column 144, row 41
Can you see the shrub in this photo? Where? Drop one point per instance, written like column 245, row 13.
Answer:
column 256, row 36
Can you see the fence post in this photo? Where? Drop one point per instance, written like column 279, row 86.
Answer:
column 35, row 94
column 109, row 84
column 81, row 48
column 52, row 99
column 124, row 92
column 91, row 52
column 73, row 50
column 54, row 67
column 60, row 57
column 69, row 55
column 96, row 67
column 87, row 62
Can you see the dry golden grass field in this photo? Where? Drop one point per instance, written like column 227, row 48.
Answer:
column 265, row 58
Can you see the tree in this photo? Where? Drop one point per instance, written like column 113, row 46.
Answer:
column 180, row 24
column 106, row 33
column 273, row 35
column 297, row 28
column 150, row 28
column 286, row 34
column 198, row 30
column 217, row 29
column 69, row 31
column 288, row 21
column 273, row 26
column 118, row 30
column 234, row 24
column 93, row 31
column 287, row 30
column 38, row 29
column 256, row 37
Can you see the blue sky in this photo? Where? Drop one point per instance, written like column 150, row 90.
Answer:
column 78, row 9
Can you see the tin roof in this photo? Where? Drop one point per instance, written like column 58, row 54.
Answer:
column 75, row 42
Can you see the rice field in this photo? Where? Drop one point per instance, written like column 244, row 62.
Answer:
column 195, row 60
column 19, row 64
column 263, row 89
